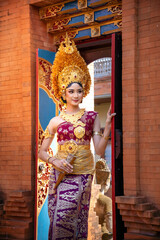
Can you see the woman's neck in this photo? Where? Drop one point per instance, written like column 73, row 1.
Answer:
column 72, row 109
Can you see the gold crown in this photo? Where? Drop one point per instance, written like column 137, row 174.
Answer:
column 69, row 67
column 69, row 75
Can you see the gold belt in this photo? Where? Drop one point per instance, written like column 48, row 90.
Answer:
column 72, row 147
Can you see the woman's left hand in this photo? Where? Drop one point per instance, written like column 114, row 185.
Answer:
column 110, row 116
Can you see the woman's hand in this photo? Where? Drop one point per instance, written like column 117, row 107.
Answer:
column 62, row 165
column 107, row 129
column 110, row 116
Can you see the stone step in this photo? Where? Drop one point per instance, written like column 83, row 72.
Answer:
column 17, row 214
column 20, row 194
column 137, row 207
column 151, row 221
column 10, row 229
column 15, row 232
column 149, row 213
column 14, row 222
column 22, row 199
column 18, row 218
column 145, row 214
column 15, row 209
column 16, row 203
column 143, row 206
column 134, row 236
column 130, row 199
column 146, row 232
column 142, row 226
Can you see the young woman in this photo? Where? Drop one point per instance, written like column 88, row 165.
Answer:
column 68, row 201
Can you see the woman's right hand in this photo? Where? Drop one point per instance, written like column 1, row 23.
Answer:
column 62, row 165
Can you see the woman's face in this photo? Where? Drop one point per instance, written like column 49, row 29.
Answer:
column 74, row 94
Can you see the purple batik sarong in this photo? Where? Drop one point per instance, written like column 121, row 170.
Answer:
column 68, row 206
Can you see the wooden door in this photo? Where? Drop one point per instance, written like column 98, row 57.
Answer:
column 46, row 109
column 117, row 154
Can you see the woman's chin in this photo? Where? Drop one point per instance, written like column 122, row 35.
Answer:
column 75, row 103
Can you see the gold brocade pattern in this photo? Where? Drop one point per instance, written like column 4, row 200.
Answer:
column 70, row 147
column 69, row 75
column 79, row 130
column 84, row 162
column 73, row 118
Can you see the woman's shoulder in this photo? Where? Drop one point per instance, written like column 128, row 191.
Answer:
column 54, row 122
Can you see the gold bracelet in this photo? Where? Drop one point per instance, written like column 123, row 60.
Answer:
column 106, row 138
column 48, row 159
column 97, row 133
column 52, row 159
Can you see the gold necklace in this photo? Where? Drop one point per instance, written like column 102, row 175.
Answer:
column 79, row 130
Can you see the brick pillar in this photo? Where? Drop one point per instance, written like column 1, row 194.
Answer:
column 22, row 32
column 15, row 97
column 130, row 98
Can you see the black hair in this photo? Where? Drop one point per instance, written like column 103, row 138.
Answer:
column 63, row 100
column 74, row 82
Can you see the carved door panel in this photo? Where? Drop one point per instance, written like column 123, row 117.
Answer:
column 46, row 109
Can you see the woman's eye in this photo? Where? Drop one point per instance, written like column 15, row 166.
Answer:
column 80, row 91
column 70, row 91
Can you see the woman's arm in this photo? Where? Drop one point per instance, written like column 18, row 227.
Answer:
column 62, row 164
column 100, row 142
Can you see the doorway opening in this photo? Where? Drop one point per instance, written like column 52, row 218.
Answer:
column 104, row 58
column 99, row 55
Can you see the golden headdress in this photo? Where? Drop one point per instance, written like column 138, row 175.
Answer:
column 69, row 67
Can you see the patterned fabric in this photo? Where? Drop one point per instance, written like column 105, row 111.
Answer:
column 84, row 162
column 65, row 131
column 68, row 207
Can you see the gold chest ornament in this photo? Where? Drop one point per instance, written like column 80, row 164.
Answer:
column 79, row 130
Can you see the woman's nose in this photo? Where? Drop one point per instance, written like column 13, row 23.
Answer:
column 75, row 94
